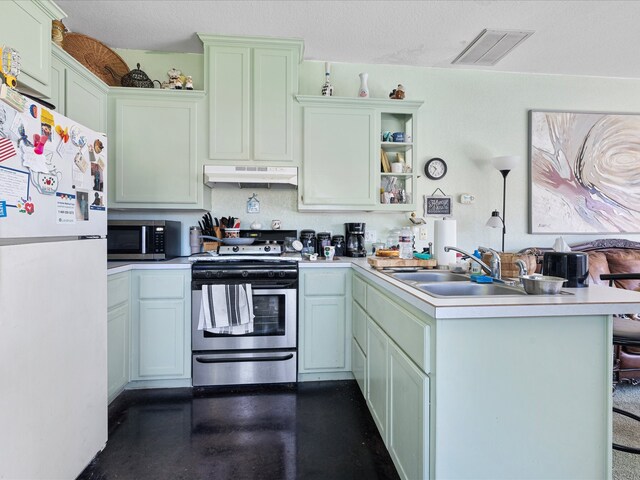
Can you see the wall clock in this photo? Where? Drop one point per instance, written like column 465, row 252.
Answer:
column 435, row 169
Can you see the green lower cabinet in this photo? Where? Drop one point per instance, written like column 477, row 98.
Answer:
column 408, row 435
column 377, row 376
column 324, row 334
column 325, row 321
column 160, row 325
column 359, row 366
column 118, row 326
column 396, row 389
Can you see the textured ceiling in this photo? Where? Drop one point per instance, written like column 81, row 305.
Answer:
column 598, row 38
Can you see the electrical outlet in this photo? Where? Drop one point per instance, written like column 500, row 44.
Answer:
column 467, row 199
column 423, row 233
column 370, row 236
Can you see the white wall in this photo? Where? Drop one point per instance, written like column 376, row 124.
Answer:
column 468, row 117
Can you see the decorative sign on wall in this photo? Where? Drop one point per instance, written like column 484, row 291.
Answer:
column 585, row 172
column 438, row 205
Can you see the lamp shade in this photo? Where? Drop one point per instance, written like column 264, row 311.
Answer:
column 507, row 162
column 494, row 220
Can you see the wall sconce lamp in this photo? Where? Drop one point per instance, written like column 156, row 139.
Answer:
column 504, row 165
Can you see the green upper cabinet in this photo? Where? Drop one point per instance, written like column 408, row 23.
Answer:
column 154, row 149
column 251, row 84
column 343, row 167
column 26, row 26
column 77, row 93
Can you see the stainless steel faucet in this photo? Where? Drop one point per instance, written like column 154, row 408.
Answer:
column 496, row 266
column 484, row 266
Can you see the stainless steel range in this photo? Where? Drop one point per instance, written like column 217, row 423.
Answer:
column 269, row 353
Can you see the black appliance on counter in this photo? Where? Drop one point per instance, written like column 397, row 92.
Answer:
column 354, row 233
column 143, row 239
column 574, row 266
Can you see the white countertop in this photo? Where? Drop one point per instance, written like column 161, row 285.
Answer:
column 114, row 267
column 126, row 265
column 593, row 300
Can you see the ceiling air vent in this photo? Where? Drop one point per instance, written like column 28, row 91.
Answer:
column 490, row 46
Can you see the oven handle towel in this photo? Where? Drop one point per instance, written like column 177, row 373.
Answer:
column 226, row 309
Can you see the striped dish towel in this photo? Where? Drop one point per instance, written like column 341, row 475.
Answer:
column 226, row 309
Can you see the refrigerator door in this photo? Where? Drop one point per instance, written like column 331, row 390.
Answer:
column 53, row 357
column 53, row 175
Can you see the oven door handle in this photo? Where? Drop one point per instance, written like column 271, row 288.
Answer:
column 280, row 358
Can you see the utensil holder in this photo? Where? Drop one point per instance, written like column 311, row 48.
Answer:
column 210, row 246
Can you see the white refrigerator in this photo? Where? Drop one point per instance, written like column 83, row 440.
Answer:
column 53, row 300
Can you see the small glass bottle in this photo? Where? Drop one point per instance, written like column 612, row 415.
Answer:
column 405, row 242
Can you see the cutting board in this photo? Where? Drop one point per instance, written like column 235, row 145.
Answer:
column 380, row 262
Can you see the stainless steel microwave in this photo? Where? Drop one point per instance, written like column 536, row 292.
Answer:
column 143, row 239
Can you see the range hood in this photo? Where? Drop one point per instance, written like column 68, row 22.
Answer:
column 250, row 176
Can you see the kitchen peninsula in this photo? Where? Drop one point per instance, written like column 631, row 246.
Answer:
column 479, row 387
column 515, row 387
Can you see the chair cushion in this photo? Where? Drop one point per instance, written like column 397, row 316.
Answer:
column 626, row 331
column 598, row 265
column 624, row 261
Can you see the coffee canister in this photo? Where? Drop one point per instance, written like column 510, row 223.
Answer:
column 323, row 239
column 308, row 239
column 338, row 242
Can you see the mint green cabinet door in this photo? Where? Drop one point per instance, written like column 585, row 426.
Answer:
column 325, row 334
column 408, row 441
column 229, row 102
column 117, row 349
column 26, row 26
column 160, row 339
column 57, row 97
column 359, row 325
column 339, row 146
column 274, row 82
column 154, row 150
column 377, row 376
column 84, row 102
column 118, row 328
column 358, row 366
column 161, row 325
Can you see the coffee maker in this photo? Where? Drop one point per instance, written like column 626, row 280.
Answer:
column 354, row 239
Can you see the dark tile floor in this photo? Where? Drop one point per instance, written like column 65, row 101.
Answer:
column 315, row 430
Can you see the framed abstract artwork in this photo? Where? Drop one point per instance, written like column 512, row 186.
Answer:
column 584, row 172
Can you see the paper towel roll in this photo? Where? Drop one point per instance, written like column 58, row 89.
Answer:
column 444, row 233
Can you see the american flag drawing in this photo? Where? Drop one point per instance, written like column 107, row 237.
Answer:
column 6, row 149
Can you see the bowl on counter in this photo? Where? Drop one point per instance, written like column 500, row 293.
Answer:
column 542, row 284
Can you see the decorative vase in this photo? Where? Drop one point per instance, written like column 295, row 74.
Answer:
column 327, row 88
column 364, row 89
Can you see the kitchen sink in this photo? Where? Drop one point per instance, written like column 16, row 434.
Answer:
column 429, row 277
column 470, row 289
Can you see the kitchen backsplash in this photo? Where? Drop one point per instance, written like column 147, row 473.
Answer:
column 274, row 205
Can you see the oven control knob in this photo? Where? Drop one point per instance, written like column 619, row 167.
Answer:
column 267, row 248
column 208, row 274
column 245, row 274
column 236, row 249
column 271, row 274
column 219, row 274
column 281, row 274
